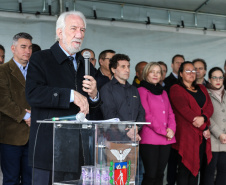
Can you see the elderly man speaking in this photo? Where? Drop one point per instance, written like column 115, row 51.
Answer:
column 56, row 86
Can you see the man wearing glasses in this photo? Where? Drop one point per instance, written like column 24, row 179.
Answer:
column 103, row 74
column 92, row 58
column 201, row 67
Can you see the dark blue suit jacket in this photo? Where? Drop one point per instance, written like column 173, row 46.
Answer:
column 50, row 79
column 169, row 82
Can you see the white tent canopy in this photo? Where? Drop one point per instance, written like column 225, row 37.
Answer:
column 174, row 27
column 194, row 13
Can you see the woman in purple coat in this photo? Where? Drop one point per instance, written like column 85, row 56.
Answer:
column 156, row 137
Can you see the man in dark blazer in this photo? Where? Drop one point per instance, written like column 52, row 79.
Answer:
column 15, row 113
column 55, row 87
column 169, row 81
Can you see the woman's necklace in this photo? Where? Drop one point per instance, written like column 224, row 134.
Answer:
column 191, row 89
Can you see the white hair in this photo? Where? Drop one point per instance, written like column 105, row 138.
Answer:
column 61, row 20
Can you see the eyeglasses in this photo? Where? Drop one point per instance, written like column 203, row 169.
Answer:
column 217, row 78
column 189, row 71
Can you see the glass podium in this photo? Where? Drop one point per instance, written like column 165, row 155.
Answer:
column 93, row 153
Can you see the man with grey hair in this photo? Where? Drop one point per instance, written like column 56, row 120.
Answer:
column 57, row 86
column 15, row 113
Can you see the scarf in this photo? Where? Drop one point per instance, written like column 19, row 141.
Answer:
column 137, row 80
column 218, row 93
column 154, row 89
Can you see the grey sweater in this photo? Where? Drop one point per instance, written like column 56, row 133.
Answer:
column 218, row 123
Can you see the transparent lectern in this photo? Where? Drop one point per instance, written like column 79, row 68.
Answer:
column 106, row 152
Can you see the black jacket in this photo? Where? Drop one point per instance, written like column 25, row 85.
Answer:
column 121, row 101
column 50, row 79
column 101, row 79
column 170, row 81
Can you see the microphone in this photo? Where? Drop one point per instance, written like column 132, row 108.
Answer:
column 79, row 117
column 86, row 56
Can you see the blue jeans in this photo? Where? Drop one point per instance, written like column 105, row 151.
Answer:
column 14, row 164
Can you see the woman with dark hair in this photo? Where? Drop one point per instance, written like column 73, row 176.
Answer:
column 217, row 129
column 159, row 135
column 225, row 75
column 192, row 108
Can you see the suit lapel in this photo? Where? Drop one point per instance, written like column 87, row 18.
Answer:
column 15, row 71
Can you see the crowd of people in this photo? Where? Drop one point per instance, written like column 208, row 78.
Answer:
column 187, row 133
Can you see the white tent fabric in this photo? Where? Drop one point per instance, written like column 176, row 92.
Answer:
column 194, row 13
column 157, row 45
column 140, row 42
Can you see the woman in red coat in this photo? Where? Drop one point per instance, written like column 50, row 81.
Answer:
column 192, row 108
